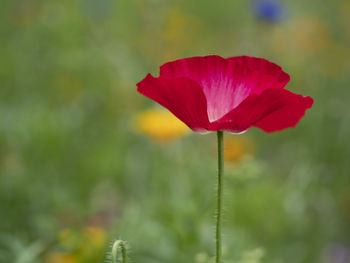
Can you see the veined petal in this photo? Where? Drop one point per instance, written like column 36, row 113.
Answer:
column 272, row 110
column 182, row 96
column 227, row 82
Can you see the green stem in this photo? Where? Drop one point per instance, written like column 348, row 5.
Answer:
column 116, row 245
column 220, row 135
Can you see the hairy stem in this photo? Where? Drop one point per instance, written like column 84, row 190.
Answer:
column 220, row 136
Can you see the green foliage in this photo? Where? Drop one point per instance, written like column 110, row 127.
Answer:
column 70, row 157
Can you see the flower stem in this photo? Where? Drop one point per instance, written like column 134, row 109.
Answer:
column 116, row 245
column 220, row 135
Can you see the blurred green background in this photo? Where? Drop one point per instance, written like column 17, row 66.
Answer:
column 76, row 173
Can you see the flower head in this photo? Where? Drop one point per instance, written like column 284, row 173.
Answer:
column 213, row 93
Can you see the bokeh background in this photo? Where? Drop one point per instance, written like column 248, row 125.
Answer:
column 85, row 159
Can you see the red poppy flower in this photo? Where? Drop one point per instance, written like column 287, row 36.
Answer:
column 212, row 93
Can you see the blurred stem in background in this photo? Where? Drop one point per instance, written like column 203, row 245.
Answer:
column 220, row 135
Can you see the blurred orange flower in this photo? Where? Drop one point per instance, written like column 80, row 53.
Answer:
column 311, row 34
column 57, row 257
column 237, row 148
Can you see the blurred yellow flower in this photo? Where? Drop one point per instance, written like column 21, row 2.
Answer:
column 86, row 244
column 160, row 125
column 57, row 257
column 96, row 236
column 236, row 148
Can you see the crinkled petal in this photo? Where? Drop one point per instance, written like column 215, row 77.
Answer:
column 272, row 110
column 182, row 96
column 227, row 82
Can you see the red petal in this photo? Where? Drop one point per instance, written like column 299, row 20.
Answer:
column 259, row 73
column 273, row 110
column 227, row 82
column 182, row 96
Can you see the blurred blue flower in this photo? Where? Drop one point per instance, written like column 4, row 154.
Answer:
column 269, row 10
